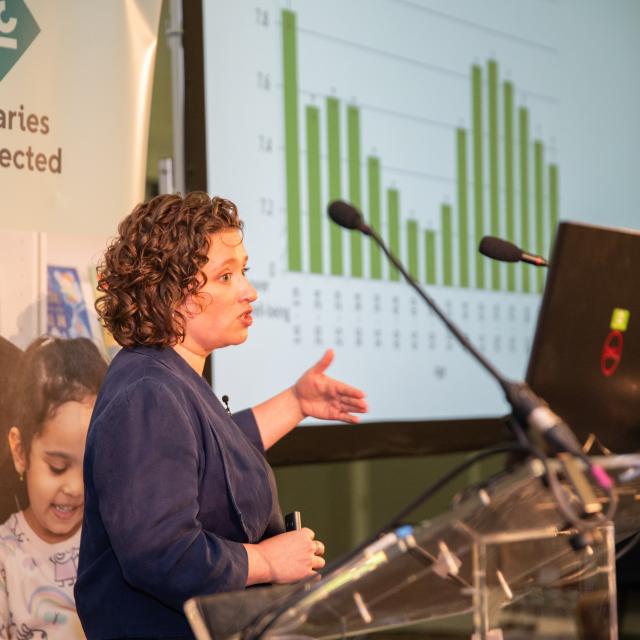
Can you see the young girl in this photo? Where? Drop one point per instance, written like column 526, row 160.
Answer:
column 54, row 391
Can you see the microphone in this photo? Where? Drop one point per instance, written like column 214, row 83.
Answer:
column 347, row 216
column 505, row 251
column 527, row 407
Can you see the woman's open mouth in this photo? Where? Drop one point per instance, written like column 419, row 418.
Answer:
column 246, row 319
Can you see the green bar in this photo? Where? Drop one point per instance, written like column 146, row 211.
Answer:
column 335, row 186
column 524, row 192
column 430, row 256
column 315, row 194
column 291, row 145
column 476, row 91
column 355, row 188
column 412, row 247
column 553, row 205
column 463, row 215
column 539, row 201
column 373, row 173
column 493, row 166
column 393, row 216
column 447, row 246
column 509, row 201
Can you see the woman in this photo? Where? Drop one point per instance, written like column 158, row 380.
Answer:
column 179, row 499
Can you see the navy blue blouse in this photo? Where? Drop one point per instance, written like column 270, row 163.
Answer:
column 173, row 487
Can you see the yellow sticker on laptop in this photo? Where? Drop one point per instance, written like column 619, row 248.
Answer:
column 620, row 319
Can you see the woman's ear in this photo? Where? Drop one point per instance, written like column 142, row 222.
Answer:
column 17, row 450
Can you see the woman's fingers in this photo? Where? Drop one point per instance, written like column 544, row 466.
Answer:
column 291, row 556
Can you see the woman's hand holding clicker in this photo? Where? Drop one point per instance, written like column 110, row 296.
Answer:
column 285, row 558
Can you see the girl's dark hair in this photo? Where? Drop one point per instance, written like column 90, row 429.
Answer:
column 155, row 263
column 53, row 371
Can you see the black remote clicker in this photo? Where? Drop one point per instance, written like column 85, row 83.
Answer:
column 292, row 521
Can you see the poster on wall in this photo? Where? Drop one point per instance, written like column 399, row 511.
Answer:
column 75, row 94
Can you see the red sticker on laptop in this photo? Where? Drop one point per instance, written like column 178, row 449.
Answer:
column 611, row 353
column 612, row 348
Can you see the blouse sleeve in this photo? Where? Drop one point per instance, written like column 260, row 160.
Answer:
column 145, row 473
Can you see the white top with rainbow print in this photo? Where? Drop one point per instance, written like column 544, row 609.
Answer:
column 36, row 584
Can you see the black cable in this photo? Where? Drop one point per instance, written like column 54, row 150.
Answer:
column 443, row 481
column 632, row 542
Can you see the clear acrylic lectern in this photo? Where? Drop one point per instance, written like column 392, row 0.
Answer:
column 503, row 553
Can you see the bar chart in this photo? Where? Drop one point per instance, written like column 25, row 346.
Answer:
column 509, row 135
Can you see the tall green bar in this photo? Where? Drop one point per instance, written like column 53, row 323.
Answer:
column 393, row 217
column 291, row 143
column 494, row 180
column 314, row 189
column 373, row 174
column 430, row 256
column 553, row 204
column 509, row 199
column 524, row 192
column 447, row 246
column 538, row 156
column 463, row 212
column 412, row 247
column 355, row 187
column 478, row 172
column 335, row 184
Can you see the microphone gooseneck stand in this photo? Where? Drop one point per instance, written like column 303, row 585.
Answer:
column 528, row 409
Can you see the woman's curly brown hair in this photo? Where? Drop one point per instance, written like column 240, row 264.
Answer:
column 155, row 263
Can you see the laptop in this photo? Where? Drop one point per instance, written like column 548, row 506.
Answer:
column 585, row 358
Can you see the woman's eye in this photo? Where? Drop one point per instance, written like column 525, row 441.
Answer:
column 225, row 277
column 245, row 270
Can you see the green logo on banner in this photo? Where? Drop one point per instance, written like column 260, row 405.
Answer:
column 18, row 30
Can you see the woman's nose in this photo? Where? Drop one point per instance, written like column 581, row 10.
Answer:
column 250, row 293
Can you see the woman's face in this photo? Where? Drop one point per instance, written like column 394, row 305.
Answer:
column 220, row 314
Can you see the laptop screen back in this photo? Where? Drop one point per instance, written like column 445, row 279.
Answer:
column 585, row 359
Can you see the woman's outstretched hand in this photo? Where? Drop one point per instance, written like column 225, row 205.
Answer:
column 323, row 397
column 315, row 394
column 285, row 558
